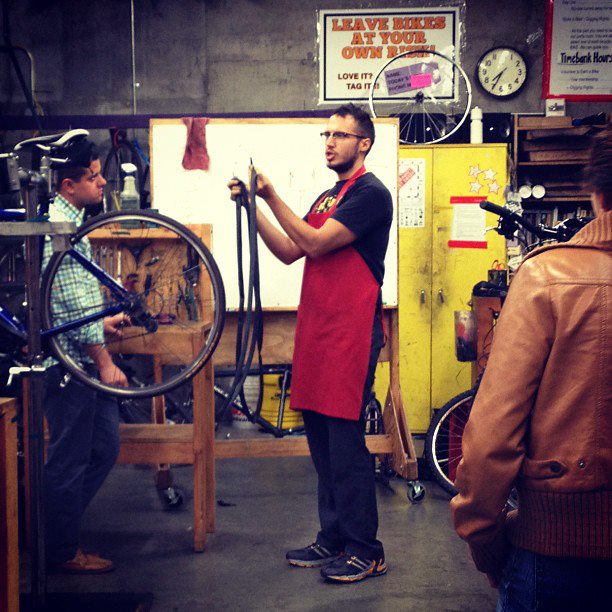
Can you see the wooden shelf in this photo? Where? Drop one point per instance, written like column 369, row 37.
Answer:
column 552, row 200
column 542, row 138
column 567, row 199
column 566, row 162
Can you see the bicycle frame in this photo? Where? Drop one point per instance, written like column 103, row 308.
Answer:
column 13, row 325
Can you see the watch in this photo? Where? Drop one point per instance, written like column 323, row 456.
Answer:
column 502, row 72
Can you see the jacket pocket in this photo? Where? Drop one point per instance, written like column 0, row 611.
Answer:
column 540, row 470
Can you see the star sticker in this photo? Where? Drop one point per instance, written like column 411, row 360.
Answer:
column 489, row 174
column 494, row 187
column 475, row 186
column 474, row 170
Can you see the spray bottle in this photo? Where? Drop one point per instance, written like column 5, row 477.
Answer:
column 130, row 198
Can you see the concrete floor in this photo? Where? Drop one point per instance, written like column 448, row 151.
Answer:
column 243, row 567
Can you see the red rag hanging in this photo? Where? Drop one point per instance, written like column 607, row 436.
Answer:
column 196, row 154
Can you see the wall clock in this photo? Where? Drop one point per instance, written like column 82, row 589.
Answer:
column 502, row 72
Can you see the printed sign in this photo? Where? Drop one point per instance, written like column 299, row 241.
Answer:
column 468, row 228
column 578, row 57
column 411, row 184
column 355, row 44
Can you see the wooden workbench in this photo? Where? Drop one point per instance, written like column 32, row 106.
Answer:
column 9, row 547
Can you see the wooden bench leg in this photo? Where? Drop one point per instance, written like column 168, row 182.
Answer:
column 203, row 455
column 199, row 472
column 209, row 447
column 9, row 549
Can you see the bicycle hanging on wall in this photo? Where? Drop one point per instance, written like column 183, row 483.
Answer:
column 428, row 91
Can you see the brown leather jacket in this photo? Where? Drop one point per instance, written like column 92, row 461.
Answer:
column 542, row 419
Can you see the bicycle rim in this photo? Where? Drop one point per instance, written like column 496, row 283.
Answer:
column 429, row 93
column 176, row 302
column 443, row 442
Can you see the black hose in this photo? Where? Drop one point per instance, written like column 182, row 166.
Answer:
column 249, row 336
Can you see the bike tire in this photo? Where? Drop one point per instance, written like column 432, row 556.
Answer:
column 443, row 441
column 185, row 260
column 428, row 91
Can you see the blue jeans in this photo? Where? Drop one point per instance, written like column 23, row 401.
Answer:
column 83, row 447
column 536, row 582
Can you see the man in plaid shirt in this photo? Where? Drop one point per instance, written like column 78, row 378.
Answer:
column 83, row 424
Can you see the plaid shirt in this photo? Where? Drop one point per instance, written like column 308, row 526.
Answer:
column 75, row 292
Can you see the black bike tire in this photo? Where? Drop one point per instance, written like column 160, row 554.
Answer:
column 433, row 438
column 218, row 291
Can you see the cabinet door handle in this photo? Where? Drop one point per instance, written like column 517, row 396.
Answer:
column 422, row 296
column 441, row 296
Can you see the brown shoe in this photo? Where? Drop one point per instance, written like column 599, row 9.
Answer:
column 86, row 563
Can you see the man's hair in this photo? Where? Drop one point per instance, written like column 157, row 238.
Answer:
column 80, row 154
column 366, row 127
column 598, row 172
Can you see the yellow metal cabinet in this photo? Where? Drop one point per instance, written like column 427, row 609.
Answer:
column 435, row 278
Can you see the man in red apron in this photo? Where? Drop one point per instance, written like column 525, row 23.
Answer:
column 338, row 338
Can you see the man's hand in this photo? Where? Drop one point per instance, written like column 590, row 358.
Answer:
column 113, row 326
column 235, row 187
column 264, row 188
column 110, row 374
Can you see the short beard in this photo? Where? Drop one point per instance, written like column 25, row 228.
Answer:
column 342, row 167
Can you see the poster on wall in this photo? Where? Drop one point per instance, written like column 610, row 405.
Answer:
column 578, row 50
column 411, row 185
column 468, row 228
column 355, row 44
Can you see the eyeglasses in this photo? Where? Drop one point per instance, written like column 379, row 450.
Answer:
column 340, row 135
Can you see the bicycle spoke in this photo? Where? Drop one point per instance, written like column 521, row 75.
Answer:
column 175, row 310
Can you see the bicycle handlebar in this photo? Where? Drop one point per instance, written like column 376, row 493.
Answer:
column 517, row 220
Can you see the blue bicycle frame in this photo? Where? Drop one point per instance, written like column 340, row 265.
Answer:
column 11, row 323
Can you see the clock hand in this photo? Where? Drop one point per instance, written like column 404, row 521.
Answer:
column 497, row 77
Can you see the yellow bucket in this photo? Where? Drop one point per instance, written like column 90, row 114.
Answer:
column 270, row 406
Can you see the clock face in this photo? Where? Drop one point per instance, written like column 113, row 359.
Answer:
column 502, row 72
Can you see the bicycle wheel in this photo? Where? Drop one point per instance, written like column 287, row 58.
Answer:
column 429, row 93
column 443, row 441
column 169, row 286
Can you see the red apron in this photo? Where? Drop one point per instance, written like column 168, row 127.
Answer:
column 334, row 328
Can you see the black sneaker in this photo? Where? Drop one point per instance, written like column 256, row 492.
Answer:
column 314, row 555
column 352, row 569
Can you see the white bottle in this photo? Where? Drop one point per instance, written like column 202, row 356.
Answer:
column 476, row 126
column 130, row 199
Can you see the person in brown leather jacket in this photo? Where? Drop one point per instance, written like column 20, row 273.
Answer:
column 542, row 422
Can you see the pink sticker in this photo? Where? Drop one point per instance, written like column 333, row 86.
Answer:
column 418, row 81
column 405, row 177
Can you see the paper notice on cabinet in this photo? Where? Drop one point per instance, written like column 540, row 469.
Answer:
column 411, row 192
column 468, row 228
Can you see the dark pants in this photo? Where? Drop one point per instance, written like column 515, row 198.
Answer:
column 346, row 486
column 553, row 584
column 83, row 447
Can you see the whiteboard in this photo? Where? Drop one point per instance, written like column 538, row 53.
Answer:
column 291, row 153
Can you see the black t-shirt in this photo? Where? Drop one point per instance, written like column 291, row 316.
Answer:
column 367, row 210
